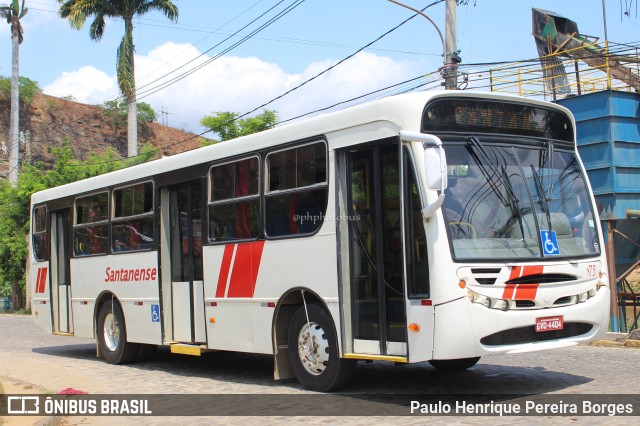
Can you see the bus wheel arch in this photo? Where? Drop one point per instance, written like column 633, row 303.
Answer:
column 111, row 331
column 306, row 345
column 285, row 309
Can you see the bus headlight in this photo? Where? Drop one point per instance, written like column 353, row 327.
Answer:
column 501, row 304
column 487, row 302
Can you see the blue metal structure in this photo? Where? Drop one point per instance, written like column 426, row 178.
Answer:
column 608, row 128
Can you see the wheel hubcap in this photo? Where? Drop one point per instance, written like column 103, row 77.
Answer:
column 313, row 348
column 111, row 332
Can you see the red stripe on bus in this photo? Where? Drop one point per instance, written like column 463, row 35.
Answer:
column 224, row 270
column 38, row 280
column 245, row 269
column 522, row 291
column 516, row 271
column 508, row 291
column 533, row 270
column 526, row 292
column 41, row 281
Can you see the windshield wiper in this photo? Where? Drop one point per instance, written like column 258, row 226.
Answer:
column 541, row 195
column 504, row 179
column 473, row 141
column 516, row 202
column 546, row 161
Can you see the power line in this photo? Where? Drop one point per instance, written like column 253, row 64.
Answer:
column 140, row 94
column 281, row 14
column 339, row 62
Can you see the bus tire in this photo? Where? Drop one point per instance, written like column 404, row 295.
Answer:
column 112, row 335
column 314, row 355
column 453, row 365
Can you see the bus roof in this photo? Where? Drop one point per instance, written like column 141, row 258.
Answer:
column 404, row 111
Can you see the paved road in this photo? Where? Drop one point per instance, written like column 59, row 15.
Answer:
column 55, row 363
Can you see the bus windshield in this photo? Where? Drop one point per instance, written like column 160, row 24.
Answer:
column 517, row 202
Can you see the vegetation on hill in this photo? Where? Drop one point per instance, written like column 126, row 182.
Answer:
column 15, row 202
column 28, row 88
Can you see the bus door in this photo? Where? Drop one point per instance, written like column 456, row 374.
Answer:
column 60, row 276
column 187, row 292
column 375, row 264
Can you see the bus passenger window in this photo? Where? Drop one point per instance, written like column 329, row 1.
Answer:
column 296, row 193
column 132, row 226
column 40, row 233
column 90, row 229
column 234, row 201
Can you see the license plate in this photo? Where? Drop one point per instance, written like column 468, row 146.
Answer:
column 549, row 323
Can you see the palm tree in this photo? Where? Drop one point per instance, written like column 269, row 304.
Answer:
column 77, row 12
column 13, row 14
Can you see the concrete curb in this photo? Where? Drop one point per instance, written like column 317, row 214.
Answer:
column 28, row 389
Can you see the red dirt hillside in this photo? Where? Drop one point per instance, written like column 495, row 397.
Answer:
column 51, row 120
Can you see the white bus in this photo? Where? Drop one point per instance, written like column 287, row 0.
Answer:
column 433, row 226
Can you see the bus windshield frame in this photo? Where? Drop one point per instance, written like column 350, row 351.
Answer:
column 509, row 200
column 516, row 189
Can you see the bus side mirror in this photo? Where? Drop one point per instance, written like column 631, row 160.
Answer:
column 435, row 160
column 435, row 164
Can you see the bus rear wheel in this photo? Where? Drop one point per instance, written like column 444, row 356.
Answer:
column 112, row 335
column 452, row 365
column 313, row 351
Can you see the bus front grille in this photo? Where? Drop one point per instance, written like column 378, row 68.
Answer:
column 528, row 334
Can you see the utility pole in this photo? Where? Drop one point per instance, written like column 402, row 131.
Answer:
column 451, row 58
column 450, row 55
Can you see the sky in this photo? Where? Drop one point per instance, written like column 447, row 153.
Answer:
column 311, row 37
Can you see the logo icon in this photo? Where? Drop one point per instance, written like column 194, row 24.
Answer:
column 23, row 405
column 155, row 313
column 549, row 242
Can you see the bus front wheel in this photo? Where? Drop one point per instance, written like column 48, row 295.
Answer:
column 452, row 365
column 112, row 335
column 313, row 351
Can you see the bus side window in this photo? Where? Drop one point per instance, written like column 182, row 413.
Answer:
column 296, row 192
column 234, row 201
column 132, row 222
column 39, row 233
column 416, row 247
column 91, row 225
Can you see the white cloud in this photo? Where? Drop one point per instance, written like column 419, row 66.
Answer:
column 237, row 84
column 86, row 85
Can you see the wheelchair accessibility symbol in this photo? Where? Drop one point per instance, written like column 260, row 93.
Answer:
column 155, row 313
column 549, row 242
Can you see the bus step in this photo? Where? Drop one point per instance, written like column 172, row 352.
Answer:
column 184, row 349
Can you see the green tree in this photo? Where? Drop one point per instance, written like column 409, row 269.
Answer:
column 15, row 202
column 227, row 125
column 77, row 12
column 27, row 88
column 13, row 14
column 116, row 112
